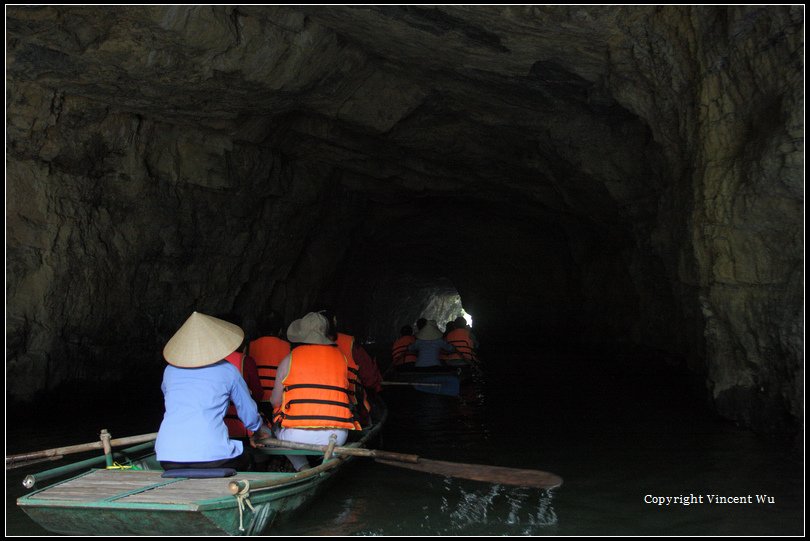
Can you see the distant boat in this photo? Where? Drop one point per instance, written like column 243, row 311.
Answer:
column 446, row 381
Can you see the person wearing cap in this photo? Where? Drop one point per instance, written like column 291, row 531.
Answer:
column 198, row 384
column 311, row 395
column 429, row 345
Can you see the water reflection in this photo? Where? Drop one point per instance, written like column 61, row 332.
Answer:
column 374, row 499
column 495, row 507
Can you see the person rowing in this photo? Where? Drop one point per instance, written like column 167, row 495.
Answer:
column 198, row 384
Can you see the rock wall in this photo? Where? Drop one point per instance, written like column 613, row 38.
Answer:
column 733, row 128
column 119, row 226
column 616, row 176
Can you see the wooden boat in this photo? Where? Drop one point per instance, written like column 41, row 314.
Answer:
column 121, row 501
column 141, row 502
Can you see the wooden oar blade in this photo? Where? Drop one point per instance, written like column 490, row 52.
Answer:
column 24, row 463
column 479, row 472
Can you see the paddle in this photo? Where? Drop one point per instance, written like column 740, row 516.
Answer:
column 411, row 383
column 476, row 472
column 448, row 385
column 26, row 463
column 433, row 383
column 79, row 448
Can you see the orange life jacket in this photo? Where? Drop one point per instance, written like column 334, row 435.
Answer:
column 316, row 390
column 460, row 338
column 268, row 352
column 400, row 353
column 345, row 344
column 236, row 429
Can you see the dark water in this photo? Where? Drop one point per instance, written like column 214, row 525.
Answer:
column 616, row 430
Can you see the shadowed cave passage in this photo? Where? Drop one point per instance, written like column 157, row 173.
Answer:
column 527, row 275
column 612, row 178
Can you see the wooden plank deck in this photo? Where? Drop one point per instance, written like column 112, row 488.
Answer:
column 127, row 486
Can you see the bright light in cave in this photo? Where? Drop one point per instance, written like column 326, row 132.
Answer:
column 444, row 307
column 467, row 317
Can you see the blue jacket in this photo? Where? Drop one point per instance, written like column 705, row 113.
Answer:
column 427, row 351
column 193, row 429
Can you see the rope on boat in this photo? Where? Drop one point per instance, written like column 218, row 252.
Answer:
column 117, row 466
column 242, row 498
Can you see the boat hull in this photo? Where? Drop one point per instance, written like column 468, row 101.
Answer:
column 93, row 521
column 220, row 517
column 141, row 502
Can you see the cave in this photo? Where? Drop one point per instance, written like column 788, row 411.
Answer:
column 611, row 177
column 617, row 183
column 613, row 195
column 602, row 178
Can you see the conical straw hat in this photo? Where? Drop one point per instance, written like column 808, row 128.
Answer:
column 202, row 340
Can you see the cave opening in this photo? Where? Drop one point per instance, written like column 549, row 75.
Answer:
column 530, row 275
column 405, row 300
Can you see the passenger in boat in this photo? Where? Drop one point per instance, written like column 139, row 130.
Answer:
column 312, row 394
column 461, row 323
column 246, row 364
column 428, row 346
column 198, row 384
column 444, row 356
column 465, row 342
column 364, row 372
column 269, row 350
column 401, row 358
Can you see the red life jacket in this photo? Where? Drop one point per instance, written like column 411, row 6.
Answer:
column 316, row 390
column 400, row 353
column 268, row 352
column 460, row 338
column 345, row 344
column 236, row 429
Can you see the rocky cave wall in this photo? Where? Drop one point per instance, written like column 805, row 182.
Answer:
column 616, row 174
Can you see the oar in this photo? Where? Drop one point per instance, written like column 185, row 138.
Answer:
column 79, row 448
column 446, row 384
column 25, row 463
column 125, row 454
column 414, row 384
column 476, row 472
